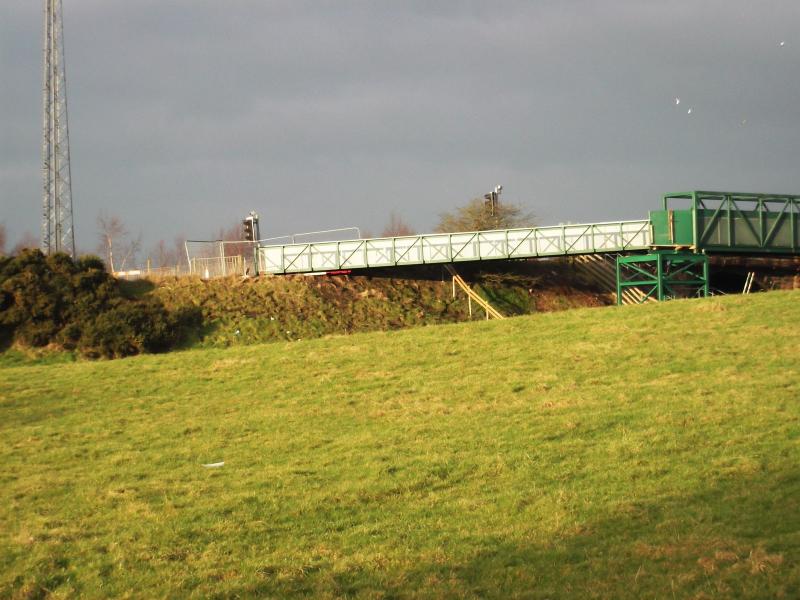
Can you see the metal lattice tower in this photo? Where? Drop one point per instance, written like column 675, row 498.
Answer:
column 58, row 233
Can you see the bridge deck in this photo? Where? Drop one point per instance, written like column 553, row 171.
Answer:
column 435, row 248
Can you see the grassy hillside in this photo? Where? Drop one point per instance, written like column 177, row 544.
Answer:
column 238, row 312
column 640, row 452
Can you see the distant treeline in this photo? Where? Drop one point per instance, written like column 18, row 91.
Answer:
column 77, row 305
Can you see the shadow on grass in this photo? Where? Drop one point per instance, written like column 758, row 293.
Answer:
column 134, row 290
column 739, row 537
column 508, row 300
column 194, row 338
column 6, row 339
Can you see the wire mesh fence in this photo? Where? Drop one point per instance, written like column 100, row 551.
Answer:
column 149, row 272
column 222, row 266
column 212, row 259
column 158, row 272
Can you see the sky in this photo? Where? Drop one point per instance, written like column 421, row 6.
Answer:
column 186, row 114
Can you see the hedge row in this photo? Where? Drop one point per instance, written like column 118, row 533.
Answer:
column 78, row 305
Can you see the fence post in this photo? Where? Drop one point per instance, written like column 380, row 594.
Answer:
column 222, row 255
column 188, row 258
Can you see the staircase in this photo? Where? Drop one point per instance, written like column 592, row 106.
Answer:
column 601, row 269
column 472, row 295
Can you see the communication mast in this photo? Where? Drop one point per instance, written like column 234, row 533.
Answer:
column 58, row 233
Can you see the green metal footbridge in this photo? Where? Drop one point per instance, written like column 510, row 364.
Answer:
column 664, row 256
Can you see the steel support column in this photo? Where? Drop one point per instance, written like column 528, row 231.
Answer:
column 664, row 275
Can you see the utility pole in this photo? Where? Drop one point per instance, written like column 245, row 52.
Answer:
column 58, row 233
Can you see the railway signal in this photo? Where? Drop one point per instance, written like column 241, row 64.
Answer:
column 250, row 226
column 493, row 198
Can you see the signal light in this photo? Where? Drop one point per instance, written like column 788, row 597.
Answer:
column 250, row 227
column 493, row 198
column 248, row 230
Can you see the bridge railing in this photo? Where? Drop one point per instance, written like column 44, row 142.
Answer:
column 455, row 247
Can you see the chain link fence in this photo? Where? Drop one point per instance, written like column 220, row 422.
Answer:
column 210, row 259
column 180, row 270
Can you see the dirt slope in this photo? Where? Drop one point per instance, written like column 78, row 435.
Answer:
column 296, row 307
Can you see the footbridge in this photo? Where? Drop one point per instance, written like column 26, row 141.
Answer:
column 500, row 244
column 664, row 256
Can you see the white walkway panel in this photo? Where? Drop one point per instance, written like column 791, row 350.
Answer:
column 435, row 248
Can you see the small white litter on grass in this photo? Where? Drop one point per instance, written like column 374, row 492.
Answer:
column 214, row 465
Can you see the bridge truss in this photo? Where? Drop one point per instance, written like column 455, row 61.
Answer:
column 501, row 244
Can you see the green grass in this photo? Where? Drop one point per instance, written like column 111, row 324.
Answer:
column 636, row 452
column 253, row 311
column 248, row 312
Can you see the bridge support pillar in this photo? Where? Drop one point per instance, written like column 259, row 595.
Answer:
column 663, row 275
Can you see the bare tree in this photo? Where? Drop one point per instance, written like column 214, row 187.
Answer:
column 112, row 234
column 396, row 227
column 180, row 250
column 235, row 233
column 27, row 241
column 164, row 255
column 115, row 244
column 129, row 250
column 172, row 256
column 476, row 215
column 2, row 239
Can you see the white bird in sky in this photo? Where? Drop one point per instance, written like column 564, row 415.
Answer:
column 677, row 101
column 688, row 112
column 782, row 44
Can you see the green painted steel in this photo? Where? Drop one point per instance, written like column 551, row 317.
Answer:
column 672, row 227
column 677, row 238
column 731, row 222
column 663, row 275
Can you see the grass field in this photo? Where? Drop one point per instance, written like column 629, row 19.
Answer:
column 640, row 452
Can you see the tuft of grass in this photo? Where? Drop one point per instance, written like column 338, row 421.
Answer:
column 629, row 452
column 18, row 356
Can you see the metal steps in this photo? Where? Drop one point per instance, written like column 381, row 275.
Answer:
column 472, row 295
column 601, row 269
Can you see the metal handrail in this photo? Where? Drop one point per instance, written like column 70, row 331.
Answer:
column 437, row 248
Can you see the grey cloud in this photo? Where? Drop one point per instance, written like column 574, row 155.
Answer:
column 187, row 114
